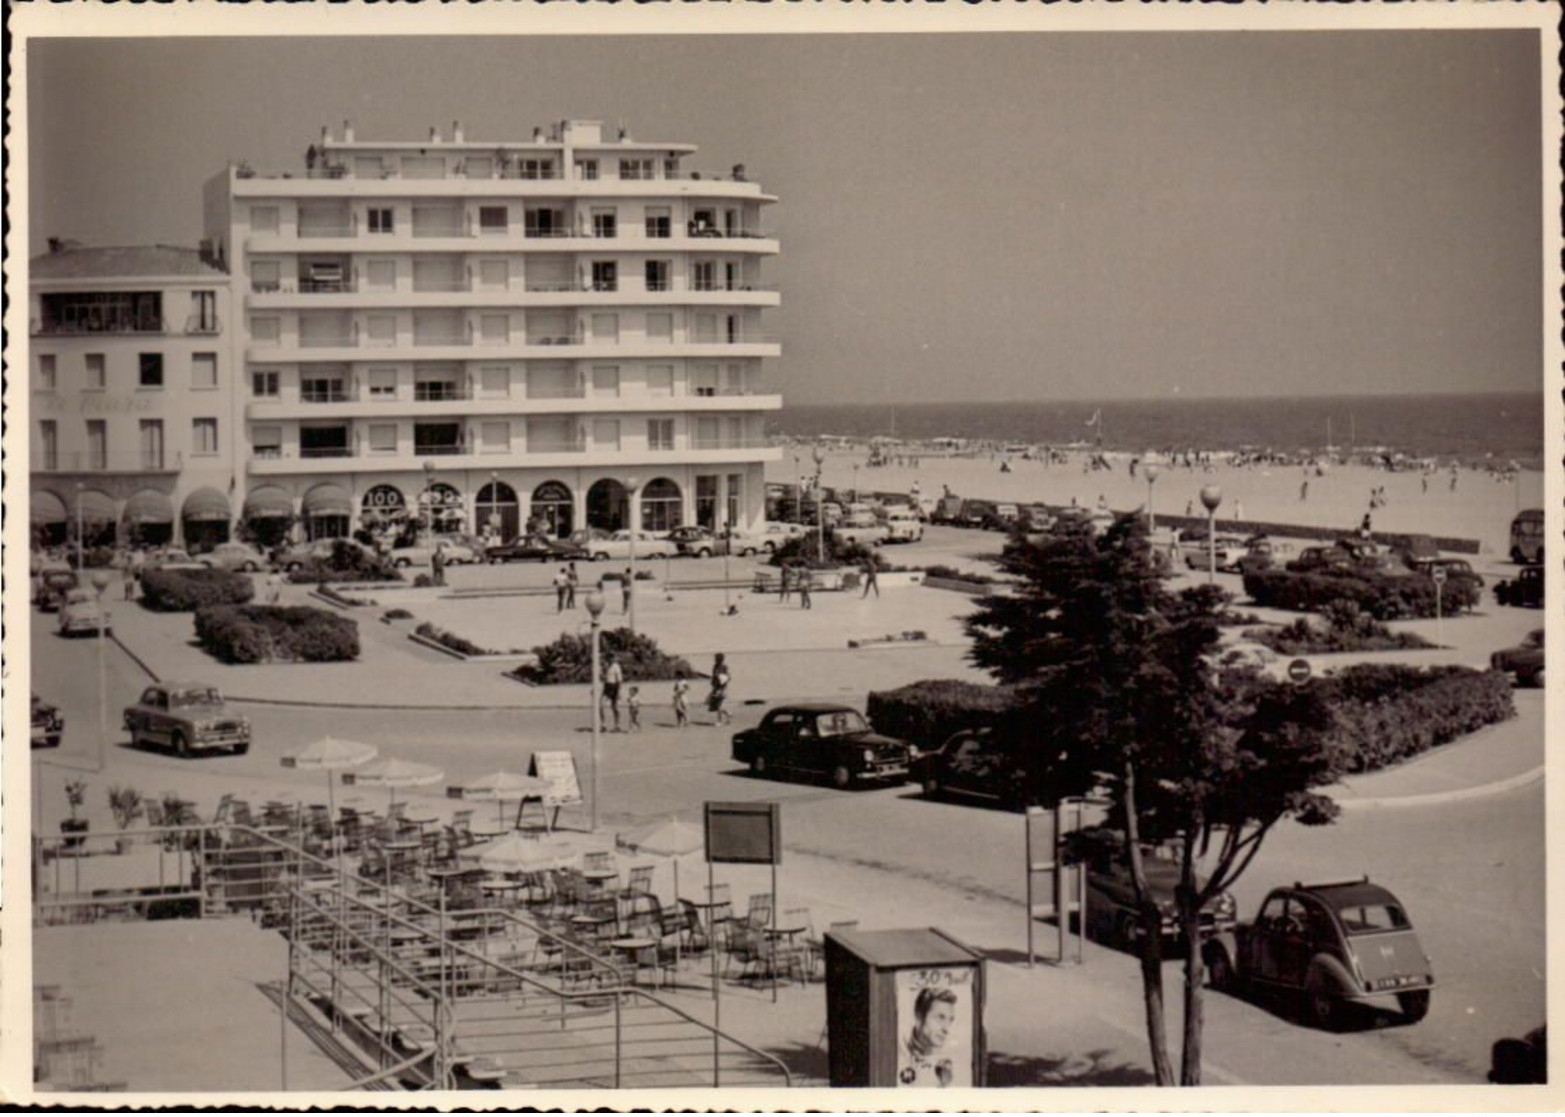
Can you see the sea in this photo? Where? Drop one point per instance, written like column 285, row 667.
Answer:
column 1498, row 427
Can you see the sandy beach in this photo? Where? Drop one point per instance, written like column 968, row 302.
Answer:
column 1480, row 507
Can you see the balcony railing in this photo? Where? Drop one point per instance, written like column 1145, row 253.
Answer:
column 335, row 341
column 313, row 286
column 72, row 329
column 323, row 395
column 436, row 393
column 575, row 392
column 698, row 443
column 441, row 286
column 555, row 446
column 85, row 461
column 208, row 325
column 442, row 339
column 442, row 229
column 326, row 452
column 438, row 449
column 538, row 231
column 334, row 229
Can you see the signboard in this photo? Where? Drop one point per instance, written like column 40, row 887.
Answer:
column 744, row 833
column 1438, row 573
column 935, row 1026
column 559, row 768
column 1299, row 671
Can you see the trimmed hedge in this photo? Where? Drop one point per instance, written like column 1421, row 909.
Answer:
column 927, row 713
column 347, row 563
column 181, row 591
column 1387, row 712
column 459, row 644
column 952, row 574
column 276, row 634
column 568, row 659
column 805, row 550
column 1347, row 629
column 1386, row 598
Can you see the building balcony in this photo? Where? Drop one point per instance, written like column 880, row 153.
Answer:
column 465, row 405
column 118, row 462
column 341, row 182
column 342, row 349
column 542, row 457
column 457, row 296
column 453, row 238
column 143, row 328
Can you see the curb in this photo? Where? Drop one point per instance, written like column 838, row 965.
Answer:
column 134, row 658
column 1454, row 796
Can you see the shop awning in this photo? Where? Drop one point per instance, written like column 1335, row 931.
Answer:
column 148, row 506
column 206, row 506
column 328, row 500
column 47, row 508
column 93, row 507
column 268, row 502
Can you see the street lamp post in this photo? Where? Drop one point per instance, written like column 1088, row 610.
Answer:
column 80, row 490
column 1151, row 471
column 429, row 498
column 820, row 504
column 1211, row 497
column 631, row 522
column 595, row 612
column 100, row 582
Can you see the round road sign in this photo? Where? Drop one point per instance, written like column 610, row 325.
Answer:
column 1299, row 670
column 1438, row 574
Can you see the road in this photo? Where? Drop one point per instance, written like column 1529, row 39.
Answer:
column 1471, row 873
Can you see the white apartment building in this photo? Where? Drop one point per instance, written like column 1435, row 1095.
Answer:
column 132, row 417
column 501, row 333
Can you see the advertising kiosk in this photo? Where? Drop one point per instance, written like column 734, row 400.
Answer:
column 904, row 1008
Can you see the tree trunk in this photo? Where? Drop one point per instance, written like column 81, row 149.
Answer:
column 1190, row 923
column 1151, row 945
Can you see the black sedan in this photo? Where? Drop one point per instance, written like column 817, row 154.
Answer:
column 1111, row 896
column 972, row 762
column 535, row 548
column 821, row 739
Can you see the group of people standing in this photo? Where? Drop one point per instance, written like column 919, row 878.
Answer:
column 567, row 580
column 614, row 682
column 800, row 578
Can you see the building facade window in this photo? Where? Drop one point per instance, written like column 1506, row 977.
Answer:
column 660, row 434
column 381, row 329
column 46, row 372
column 495, row 275
column 203, row 371
column 605, row 275
column 203, row 436
column 381, row 275
column 320, row 388
column 267, row 441
column 264, row 219
column 382, row 219
column 706, row 501
column 605, row 223
column 48, row 444
column 494, row 219
column 605, row 434
column 735, row 493
column 97, row 372
column 640, row 169
column 660, row 327
column 660, row 380
column 266, row 330
column 660, row 222
column 535, row 168
column 605, row 380
column 657, row 273
column 494, row 329
column 496, row 437
column 383, row 383
column 97, row 444
column 661, row 505
column 151, row 444
column 495, row 381
column 383, row 438
column 90, row 312
column 265, row 276
column 151, row 370
column 587, row 170
column 203, row 313
column 264, row 383
column 704, row 275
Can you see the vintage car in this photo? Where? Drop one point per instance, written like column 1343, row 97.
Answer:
column 971, row 762
column 821, row 739
column 1523, row 591
column 187, row 718
column 48, row 724
column 84, row 611
column 774, row 534
column 1456, row 570
column 457, row 553
column 617, row 546
column 1520, row 1060
column 1326, row 945
column 50, row 585
column 320, row 550
column 1230, row 551
column 235, row 556
column 1111, row 897
column 1523, row 662
column 171, row 558
column 535, row 548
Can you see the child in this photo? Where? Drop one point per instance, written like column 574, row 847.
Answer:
column 633, row 704
column 681, row 708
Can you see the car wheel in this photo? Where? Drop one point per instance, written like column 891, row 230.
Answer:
column 932, row 786
column 52, row 741
column 241, row 748
column 600, row 557
column 181, row 745
column 250, row 568
column 1537, row 678
column 704, row 552
column 1220, row 973
column 770, row 548
column 1414, row 1005
column 1127, row 931
column 841, row 778
column 401, row 563
column 294, row 567
column 747, row 552
column 758, row 764
column 1321, row 1004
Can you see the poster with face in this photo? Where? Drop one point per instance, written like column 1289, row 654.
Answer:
column 935, row 1027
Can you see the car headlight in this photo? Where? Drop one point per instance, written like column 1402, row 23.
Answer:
column 869, row 756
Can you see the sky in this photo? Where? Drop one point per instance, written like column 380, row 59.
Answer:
column 974, row 217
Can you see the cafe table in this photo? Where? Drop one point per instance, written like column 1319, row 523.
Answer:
column 776, row 936
column 635, row 951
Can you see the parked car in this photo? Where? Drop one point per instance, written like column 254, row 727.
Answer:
column 1527, row 536
column 1324, row 560
column 1524, row 662
column 975, row 513
column 48, row 724
column 172, row 558
column 872, row 535
column 1263, row 553
column 1524, row 591
column 1524, row 1060
column 971, row 762
column 457, row 553
column 84, row 611
column 304, row 554
column 234, row 556
column 50, row 585
column 617, row 546
column 1006, row 514
column 535, row 548
column 585, row 537
column 903, row 525
column 1230, row 550
column 1456, row 570
column 1111, row 897
column 188, row 718
column 824, row 740
column 697, row 542
column 1416, row 550
column 1327, row 945
column 738, row 541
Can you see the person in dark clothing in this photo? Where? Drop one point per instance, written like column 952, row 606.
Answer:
column 871, row 579
column 804, row 590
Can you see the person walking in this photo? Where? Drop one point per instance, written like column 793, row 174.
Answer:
column 1304, row 490
column 804, row 589
column 128, row 578
column 613, row 677
column 562, row 589
column 719, row 693
column 625, row 591
column 633, row 707
column 437, row 565
column 785, row 583
column 681, row 703
column 871, row 579
column 573, row 579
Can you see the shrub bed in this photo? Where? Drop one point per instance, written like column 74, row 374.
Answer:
column 952, row 574
column 276, row 634
column 568, row 659
column 347, row 563
column 805, row 550
column 396, row 615
column 1347, row 629
column 927, row 713
column 459, row 644
column 1386, row 713
column 181, row 591
column 1384, row 597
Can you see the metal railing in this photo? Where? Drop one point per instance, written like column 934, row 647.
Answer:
column 335, row 229
column 199, row 324
column 86, row 461
column 74, row 329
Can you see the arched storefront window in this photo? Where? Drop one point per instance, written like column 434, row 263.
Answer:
column 607, row 506
column 551, row 511
column 498, row 510
column 661, row 505
column 444, row 508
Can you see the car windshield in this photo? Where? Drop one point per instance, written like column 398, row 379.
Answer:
column 78, row 597
column 839, row 723
column 1368, row 919
column 195, row 696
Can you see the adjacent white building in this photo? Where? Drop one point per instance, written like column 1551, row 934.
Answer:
column 501, row 331
column 133, row 414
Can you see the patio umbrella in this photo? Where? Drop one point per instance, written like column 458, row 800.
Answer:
column 517, row 853
column 330, row 754
column 392, row 774
column 502, row 788
column 673, row 839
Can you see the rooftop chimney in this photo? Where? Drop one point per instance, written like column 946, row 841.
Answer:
column 456, row 131
column 537, row 135
column 325, row 133
column 434, row 135
column 347, row 132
